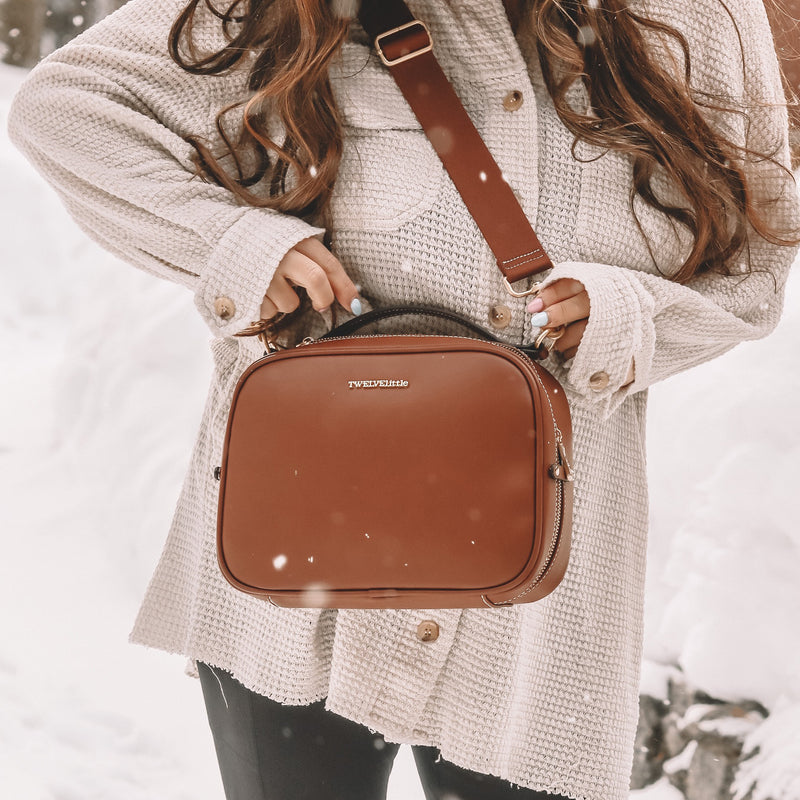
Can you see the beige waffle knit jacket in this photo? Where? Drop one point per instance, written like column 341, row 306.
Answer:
column 544, row 695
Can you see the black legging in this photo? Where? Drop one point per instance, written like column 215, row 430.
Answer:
column 270, row 751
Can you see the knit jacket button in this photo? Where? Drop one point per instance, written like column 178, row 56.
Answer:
column 224, row 307
column 499, row 316
column 427, row 631
column 513, row 100
column 598, row 381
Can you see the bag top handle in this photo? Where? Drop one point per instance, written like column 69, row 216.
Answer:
column 405, row 46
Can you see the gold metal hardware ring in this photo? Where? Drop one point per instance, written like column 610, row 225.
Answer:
column 413, row 24
column 549, row 336
column 527, row 293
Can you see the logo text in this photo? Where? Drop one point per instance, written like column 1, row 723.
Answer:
column 378, row 384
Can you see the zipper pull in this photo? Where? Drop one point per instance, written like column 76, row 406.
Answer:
column 563, row 470
column 562, row 454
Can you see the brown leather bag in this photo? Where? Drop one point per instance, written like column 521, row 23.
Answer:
column 405, row 471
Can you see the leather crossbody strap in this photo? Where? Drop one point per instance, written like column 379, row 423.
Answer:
column 405, row 46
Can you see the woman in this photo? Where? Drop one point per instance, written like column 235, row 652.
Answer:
column 648, row 145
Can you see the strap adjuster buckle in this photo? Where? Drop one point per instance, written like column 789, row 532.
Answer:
column 415, row 23
column 534, row 289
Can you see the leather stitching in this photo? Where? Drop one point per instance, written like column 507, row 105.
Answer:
column 536, row 252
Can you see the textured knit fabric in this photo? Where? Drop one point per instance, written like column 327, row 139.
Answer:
column 544, row 695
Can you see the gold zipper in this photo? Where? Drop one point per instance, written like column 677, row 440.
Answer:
column 554, row 544
column 556, row 541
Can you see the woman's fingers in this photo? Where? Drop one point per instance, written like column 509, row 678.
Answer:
column 282, row 295
column 311, row 265
column 560, row 290
column 344, row 289
column 561, row 303
column 299, row 270
column 568, row 342
column 304, row 271
column 567, row 311
column 268, row 308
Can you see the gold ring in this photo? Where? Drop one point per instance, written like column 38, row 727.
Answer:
column 548, row 337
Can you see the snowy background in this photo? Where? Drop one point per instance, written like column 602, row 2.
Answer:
column 104, row 372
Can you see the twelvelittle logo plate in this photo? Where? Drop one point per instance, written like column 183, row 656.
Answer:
column 384, row 383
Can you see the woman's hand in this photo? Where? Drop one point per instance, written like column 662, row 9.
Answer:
column 311, row 265
column 563, row 302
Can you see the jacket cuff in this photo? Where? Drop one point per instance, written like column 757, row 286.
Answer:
column 619, row 336
column 241, row 266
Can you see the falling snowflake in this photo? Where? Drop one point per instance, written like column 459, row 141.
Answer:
column 315, row 595
column 586, row 36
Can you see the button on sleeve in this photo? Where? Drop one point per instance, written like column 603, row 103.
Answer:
column 598, row 381
column 616, row 334
column 224, row 308
column 513, row 100
column 242, row 264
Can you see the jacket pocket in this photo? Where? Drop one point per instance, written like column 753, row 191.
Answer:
column 389, row 173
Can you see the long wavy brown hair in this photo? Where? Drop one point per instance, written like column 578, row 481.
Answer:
column 637, row 105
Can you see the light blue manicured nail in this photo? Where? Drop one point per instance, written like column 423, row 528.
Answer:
column 540, row 319
column 355, row 307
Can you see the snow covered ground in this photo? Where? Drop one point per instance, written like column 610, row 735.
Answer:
column 105, row 371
